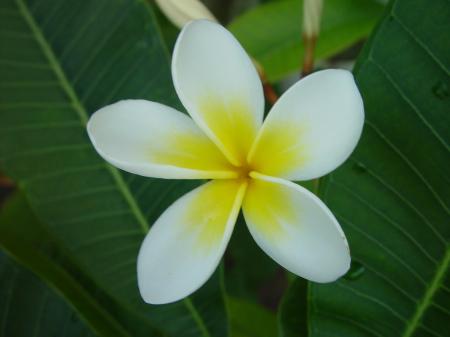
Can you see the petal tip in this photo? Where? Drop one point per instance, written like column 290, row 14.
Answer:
column 333, row 277
column 151, row 293
column 152, row 297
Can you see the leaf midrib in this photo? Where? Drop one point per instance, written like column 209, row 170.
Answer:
column 435, row 283
column 84, row 117
column 58, row 279
column 69, row 282
column 427, row 299
column 79, row 108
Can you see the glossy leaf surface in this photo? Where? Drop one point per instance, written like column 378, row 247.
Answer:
column 392, row 196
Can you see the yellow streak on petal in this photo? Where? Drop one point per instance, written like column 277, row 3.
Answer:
column 279, row 149
column 233, row 125
column 269, row 208
column 208, row 214
column 192, row 151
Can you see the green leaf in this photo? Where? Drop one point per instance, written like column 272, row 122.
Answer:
column 25, row 239
column 249, row 319
column 272, row 32
column 292, row 315
column 392, row 197
column 249, row 270
column 31, row 308
column 63, row 61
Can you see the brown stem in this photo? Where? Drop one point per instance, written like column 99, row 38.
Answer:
column 308, row 59
column 269, row 92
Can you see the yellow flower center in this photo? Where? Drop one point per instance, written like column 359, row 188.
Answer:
column 244, row 171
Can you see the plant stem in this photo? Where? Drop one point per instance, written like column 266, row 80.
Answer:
column 269, row 92
column 308, row 59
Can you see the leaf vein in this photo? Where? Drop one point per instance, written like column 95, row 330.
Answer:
column 409, row 164
column 398, row 89
column 391, row 221
column 431, row 290
column 384, row 248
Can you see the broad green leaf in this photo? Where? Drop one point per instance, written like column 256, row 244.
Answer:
column 248, row 269
column 60, row 61
column 31, row 308
column 392, row 197
column 249, row 319
column 293, row 315
column 272, row 33
column 25, row 239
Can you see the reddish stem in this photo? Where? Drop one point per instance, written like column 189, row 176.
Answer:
column 269, row 91
column 308, row 59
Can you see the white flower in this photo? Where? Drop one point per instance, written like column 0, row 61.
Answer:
column 310, row 131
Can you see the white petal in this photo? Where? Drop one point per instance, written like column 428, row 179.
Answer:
column 219, row 87
column 185, row 245
column 153, row 140
column 312, row 129
column 295, row 228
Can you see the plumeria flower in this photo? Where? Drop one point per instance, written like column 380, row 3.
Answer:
column 310, row 131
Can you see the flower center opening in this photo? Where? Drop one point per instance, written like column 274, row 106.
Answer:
column 244, row 171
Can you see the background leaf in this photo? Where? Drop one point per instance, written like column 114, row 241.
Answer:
column 249, row 271
column 250, row 320
column 272, row 33
column 292, row 315
column 392, row 197
column 62, row 63
column 25, row 239
column 24, row 298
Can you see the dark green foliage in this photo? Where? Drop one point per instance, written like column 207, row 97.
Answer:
column 62, row 61
column 392, row 196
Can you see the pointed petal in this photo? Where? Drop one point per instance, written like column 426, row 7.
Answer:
column 312, row 129
column 153, row 140
column 185, row 245
column 219, row 87
column 295, row 228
